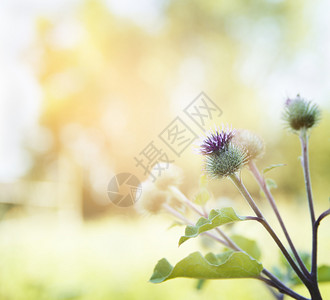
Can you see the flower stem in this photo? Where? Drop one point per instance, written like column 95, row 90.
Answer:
column 227, row 241
column 177, row 193
column 179, row 216
column 241, row 187
column 274, row 293
column 275, row 282
column 321, row 217
column 305, row 164
column 261, row 181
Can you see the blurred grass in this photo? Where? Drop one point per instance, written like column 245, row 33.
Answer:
column 113, row 259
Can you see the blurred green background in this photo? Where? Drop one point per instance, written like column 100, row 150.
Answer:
column 86, row 85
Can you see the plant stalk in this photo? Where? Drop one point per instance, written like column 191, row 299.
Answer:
column 305, row 165
column 228, row 242
column 282, row 290
column 261, row 181
column 238, row 183
column 177, row 193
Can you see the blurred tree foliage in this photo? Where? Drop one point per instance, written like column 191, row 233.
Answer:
column 107, row 95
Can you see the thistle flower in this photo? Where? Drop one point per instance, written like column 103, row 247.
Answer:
column 171, row 175
column 301, row 114
column 152, row 199
column 226, row 162
column 216, row 140
column 222, row 157
column 253, row 144
column 156, row 194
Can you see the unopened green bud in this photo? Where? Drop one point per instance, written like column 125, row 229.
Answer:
column 226, row 162
column 301, row 114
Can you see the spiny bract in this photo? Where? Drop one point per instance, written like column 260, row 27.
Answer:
column 301, row 114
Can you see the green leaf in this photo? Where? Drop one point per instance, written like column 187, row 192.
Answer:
column 203, row 181
column 323, row 273
column 218, row 258
column 203, row 194
column 174, row 224
column 216, row 218
column 271, row 167
column 230, row 265
column 305, row 257
column 288, row 275
column 271, row 183
column 202, row 197
column 200, row 284
column 248, row 245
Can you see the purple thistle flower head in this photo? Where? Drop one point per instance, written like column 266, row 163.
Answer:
column 216, row 141
column 289, row 101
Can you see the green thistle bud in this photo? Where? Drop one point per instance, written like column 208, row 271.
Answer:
column 301, row 114
column 252, row 143
column 226, row 162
